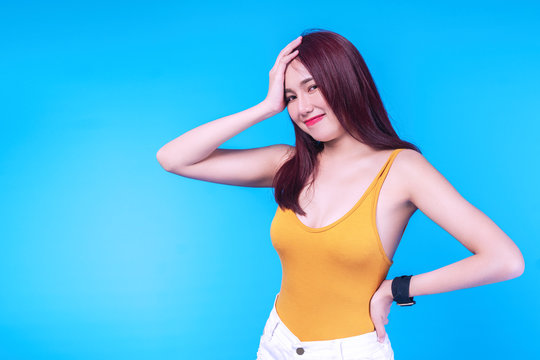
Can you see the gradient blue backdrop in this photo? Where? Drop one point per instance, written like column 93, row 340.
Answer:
column 104, row 255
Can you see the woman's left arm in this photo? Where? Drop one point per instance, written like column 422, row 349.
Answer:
column 495, row 256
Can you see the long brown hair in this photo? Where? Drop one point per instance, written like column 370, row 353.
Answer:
column 344, row 80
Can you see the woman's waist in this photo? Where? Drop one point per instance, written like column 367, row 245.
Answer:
column 316, row 316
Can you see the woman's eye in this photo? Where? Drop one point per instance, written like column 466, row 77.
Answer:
column 287, row 99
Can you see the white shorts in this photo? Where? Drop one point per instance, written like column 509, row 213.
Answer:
column 279, row 343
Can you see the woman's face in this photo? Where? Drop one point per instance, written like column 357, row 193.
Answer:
column 305, row 101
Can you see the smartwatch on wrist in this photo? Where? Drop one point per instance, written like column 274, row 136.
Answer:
column 400, row 290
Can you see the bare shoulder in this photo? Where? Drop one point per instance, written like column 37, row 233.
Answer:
column 409, row 155
column 425, row 186
column 411, row 167
column 409, row 162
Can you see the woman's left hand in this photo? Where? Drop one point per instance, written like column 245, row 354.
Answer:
column 379, row 308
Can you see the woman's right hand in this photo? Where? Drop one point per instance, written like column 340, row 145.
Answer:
column 275, row 100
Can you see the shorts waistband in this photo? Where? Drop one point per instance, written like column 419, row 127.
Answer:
column 276, row 328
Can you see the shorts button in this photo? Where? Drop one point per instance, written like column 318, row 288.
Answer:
column 300, row 351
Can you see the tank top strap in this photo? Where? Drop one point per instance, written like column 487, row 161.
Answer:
column 386, row 168
column 384, row 172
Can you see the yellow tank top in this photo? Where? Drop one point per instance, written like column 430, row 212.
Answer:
column 331, row 273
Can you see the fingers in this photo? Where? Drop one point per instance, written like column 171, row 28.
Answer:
column 285, row 55
column 379, row 321
column 287, row 58
column 291, row 45
column 381, row 332
column 282, row 62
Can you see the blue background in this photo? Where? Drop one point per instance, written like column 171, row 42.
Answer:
column 104, row 255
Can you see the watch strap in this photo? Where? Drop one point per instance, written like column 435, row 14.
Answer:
column 400, row 290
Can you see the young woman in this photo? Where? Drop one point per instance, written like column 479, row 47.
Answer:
column 337, row 227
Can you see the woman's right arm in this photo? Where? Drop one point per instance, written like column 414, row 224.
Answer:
column 195, row 154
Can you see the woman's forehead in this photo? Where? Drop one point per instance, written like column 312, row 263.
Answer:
column 296, row 72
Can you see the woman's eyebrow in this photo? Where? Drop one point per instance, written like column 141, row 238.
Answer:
column 301, row 83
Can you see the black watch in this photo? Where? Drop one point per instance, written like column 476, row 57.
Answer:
column 400, row 290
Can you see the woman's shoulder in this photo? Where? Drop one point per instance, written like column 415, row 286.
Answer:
column 409, row 160
column 403, row 158
column 410, row 157
column 416, row 174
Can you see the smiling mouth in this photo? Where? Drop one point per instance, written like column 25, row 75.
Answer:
column 313, row 119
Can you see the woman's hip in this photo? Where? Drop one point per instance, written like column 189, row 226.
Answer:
column 278, row 342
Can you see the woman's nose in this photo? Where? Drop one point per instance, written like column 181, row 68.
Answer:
column 304, row 105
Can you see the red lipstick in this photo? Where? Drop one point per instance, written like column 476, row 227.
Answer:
column 314, row 120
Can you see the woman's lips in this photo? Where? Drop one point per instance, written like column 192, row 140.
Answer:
column 314, row 121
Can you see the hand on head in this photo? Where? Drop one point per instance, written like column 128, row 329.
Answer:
column 275, row 97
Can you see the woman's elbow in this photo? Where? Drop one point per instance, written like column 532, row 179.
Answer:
column 161, row 160
column 515, row 266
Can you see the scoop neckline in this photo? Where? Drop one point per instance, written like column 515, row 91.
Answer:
column 355, row 206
